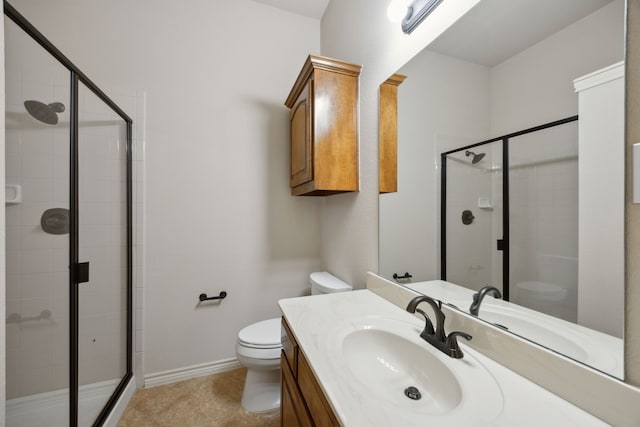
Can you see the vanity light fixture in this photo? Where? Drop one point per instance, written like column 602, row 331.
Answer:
column 417, row 11
column 397, row 10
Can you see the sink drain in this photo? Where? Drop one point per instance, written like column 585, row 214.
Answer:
column 412, row 393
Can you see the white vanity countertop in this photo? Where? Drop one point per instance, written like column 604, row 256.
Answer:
column 596, row 349
column 317, row 320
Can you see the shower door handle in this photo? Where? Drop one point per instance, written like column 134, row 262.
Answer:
column 500, row 245
column 81, row 272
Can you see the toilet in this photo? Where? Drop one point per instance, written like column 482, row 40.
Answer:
column 258, row 349
column 553, row 289
column 548, row 298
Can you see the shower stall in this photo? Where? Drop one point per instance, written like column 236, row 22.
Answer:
column 509, row 216
column 68, row 205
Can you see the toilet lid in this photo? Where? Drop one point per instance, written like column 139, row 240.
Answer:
column 264, row 334
column 328, row 283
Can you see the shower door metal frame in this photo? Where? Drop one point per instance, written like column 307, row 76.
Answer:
column 505, row 197
column 77, row 76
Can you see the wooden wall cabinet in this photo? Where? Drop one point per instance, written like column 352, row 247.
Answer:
column 302, row 402
column 324, row 128
column 388, row 134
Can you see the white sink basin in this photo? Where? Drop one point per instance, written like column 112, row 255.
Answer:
column 552, row 333
column 382, row 357
column 541, row 334
column 387, row 364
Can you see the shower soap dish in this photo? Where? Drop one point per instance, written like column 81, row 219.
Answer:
column 484, row 203
column 13, row 194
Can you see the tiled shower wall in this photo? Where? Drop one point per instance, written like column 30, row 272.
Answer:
column 37, row 159
column 469, row 246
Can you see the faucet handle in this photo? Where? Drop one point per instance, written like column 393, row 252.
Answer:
column 428, row 326
column 452, row 344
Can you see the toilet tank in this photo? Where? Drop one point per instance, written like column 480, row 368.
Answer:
column 323, row 282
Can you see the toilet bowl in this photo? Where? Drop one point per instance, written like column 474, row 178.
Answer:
column 258, row 349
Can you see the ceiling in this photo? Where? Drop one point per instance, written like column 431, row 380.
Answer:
column 311, row 8
column 509, row 27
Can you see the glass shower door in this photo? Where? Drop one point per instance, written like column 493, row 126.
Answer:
column 543, row 182
column 510, row 217
column 103, row 237
column 68, row 244
column 473, row 216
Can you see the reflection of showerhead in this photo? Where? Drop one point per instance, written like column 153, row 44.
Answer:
column 476, row 157
column 43, row 112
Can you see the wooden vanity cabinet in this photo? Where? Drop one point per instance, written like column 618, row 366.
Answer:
column 293, row 410
column 388, row 134
column 324, row 128
column 302, row 402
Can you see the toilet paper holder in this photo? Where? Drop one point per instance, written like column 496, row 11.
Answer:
column 204, row 297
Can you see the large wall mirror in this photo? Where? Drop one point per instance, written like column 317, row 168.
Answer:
column 510, row 173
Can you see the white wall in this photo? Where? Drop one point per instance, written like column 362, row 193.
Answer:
column 218, row 211
column 359, row 31
column 542, row 75
column 601, row 184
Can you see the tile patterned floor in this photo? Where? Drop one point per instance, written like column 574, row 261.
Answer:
column 213, row 400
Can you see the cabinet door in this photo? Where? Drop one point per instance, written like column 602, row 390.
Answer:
column 301, row 137
column 293, row 411
column 319, row 408
column 289, row 347
column 388, row 134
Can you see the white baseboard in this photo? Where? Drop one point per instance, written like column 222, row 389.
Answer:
column 180, row 374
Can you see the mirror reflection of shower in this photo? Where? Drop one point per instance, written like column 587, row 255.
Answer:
column 476, row 157
column 45, row 113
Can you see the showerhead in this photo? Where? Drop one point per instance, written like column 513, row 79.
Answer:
column 43, row 112
column 476, row 157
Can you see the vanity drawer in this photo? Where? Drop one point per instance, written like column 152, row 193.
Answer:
column 289, row 348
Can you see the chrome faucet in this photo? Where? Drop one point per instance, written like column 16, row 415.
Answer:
column 448, row 344
column 478, row 296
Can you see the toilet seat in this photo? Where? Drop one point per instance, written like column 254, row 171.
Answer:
column 251, row 345
column 256, row 354
column 261, row 335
